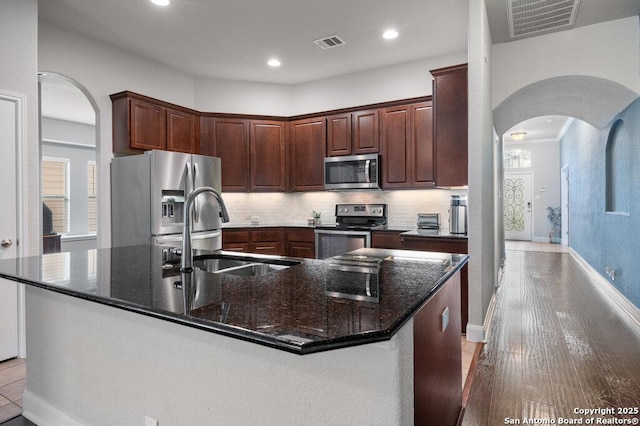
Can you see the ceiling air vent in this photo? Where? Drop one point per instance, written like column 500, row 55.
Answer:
column 329, row 42
column 529, row 17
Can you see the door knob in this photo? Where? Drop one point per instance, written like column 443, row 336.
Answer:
column 6, row 243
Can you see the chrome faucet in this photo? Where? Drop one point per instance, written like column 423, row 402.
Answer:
column 186, row 262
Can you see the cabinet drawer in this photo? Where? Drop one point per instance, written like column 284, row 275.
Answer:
column 235, row 236
column 388, row 240
column 266, row 235
column 442, row 245
column 302, row 235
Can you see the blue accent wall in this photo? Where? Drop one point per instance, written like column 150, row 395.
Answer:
column 605, row 239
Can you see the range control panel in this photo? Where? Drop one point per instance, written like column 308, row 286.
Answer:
column 362, row 210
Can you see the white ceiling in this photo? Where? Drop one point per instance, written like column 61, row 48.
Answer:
column 539, row 128
column 234, row 39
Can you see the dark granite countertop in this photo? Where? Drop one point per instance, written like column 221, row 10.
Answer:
column 434, row 233
column 314, row 306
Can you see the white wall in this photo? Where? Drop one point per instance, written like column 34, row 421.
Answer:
column 127, row 366
column 408, row 80
column 483, row 263
column 545, row 165
column 19, row 75
column 401, row 81
column 608, row 50
column 103, row 69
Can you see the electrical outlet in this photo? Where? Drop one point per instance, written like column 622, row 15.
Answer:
column 444, row 319
column 150, row 421
column 255, row 219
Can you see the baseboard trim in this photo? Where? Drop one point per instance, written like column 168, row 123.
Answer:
column 42, row 413
column 609, row 291
column 480, row 333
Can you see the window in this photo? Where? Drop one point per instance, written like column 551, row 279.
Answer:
column 92, row 209
column 517, row 158
column 55, row 191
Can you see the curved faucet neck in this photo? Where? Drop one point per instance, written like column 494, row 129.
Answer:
column 186, row 262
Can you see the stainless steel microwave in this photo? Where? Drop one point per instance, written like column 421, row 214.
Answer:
column 352, row 172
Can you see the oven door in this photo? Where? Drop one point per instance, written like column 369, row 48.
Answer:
column 334, row 242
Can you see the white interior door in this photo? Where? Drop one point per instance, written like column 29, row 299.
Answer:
column 8, row 227
column 517, row 206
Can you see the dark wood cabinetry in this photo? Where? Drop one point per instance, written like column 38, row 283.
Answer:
column 446, row 245
column 268, row 241
column 279, row 241
column 301, row 243
column 395, row 240
column 235, row 240
column 450, row 125
column 307, row 148
column 407, row 146
column 353, row 133
column 141, row 123
column 386, row 239
column 228, row 139
column 267, row 155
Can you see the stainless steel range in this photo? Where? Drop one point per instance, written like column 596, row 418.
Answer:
column 352, row 231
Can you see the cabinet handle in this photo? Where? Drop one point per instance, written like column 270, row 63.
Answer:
column 6, row 243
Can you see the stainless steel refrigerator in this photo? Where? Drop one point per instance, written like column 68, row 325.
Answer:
column 148, row 192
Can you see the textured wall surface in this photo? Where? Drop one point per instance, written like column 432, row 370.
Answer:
column 604, row 239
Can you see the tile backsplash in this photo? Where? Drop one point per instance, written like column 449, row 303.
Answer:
column 277, row 208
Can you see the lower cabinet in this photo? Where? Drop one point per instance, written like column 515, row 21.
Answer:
column 394, row 240
column 268, row 241
column 301, row 243
column 279, row 241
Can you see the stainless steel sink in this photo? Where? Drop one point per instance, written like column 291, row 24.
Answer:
column 242, row 266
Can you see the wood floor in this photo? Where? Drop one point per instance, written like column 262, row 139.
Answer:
column 554, row 346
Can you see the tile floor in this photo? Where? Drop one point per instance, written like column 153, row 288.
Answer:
column 13, row 375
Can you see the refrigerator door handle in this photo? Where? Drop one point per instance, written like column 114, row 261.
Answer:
column 196, row 204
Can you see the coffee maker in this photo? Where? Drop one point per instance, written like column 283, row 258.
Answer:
column 458, row 215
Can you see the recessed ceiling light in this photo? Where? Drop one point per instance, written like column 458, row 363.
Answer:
column 274, row 63
column 160, row 2
column 390, row 34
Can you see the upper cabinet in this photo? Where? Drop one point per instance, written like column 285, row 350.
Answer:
column 267, row 155
column 450, row 125
column 353, row 133
column 407, row 146
column 141, row 124
column 228, row 139
column 307, row 148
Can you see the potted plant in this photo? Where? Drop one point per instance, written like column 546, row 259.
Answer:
column 553, row 214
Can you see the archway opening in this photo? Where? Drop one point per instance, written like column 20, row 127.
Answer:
column 68, row 147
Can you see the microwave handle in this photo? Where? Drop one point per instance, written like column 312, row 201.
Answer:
column 367, row 166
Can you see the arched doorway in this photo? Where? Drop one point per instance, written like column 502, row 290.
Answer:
column 593, row 100
column 69, row 139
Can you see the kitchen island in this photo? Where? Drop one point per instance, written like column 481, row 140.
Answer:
column 371, row 338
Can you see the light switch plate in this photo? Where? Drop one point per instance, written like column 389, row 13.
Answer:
column 444, row 319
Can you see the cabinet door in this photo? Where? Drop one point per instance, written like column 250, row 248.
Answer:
column 228, row 139
column 307, row 142
column 422, row 145
column 147, row 125
column 302, row 249
column 365, row 133
column 396, row 147
column 183, row 131
column 388, row 240
column 268, row 169
column 268, row 247
column 450, row 125
column 339, row 135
